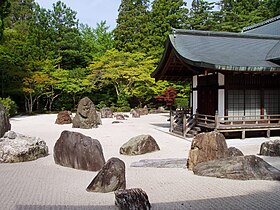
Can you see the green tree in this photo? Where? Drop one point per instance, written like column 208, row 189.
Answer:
column 237, row 14
column 66, row 36
column 96, row 41
column 132, row 26
column 129, row 73
column 202, row 16
column 165, row 15
column 4, row 11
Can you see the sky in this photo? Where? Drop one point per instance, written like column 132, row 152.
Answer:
column 92, row 12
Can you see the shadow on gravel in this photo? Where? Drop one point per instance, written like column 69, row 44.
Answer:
column 255, row 201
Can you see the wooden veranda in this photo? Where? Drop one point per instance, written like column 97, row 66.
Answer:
column 188, row 125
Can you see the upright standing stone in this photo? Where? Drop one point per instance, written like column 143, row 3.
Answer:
column 4, row 121
column 110, row 178
column 76, row 150
column 207, row 146
column 86, row 116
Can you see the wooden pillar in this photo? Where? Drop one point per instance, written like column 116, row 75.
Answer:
column 217, row 120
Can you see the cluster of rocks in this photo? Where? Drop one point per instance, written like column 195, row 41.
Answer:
column 136, row 113
column 78, row 151
column 210, row 156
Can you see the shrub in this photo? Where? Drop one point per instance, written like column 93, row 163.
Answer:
column 10, row 106
column 181, row 103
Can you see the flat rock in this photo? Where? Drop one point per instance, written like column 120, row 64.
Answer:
column 139, row 145
column 248, row 167
column 161, row 163
column 15, row 147
column 78, row 151
column 110, row 178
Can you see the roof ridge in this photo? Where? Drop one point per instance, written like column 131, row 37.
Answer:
column 261, row 23
column 224, row 34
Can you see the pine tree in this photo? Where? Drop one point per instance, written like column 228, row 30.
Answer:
column 131, row 28
column 165, row 15
column 202, row 16
column 237, row 14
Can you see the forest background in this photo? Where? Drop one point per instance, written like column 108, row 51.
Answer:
column 49, row 60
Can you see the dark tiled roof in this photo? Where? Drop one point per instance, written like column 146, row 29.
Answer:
column 226, row 51
column 271, row 26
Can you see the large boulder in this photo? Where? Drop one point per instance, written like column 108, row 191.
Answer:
column 86, row 116
column 63, row 118
column 205, row 147
column 78, row 151
column 270, row 148
column 238, row 167
column 4, row 121
column 106, row 112
column 15, row 147
column 110, row 178
column 139, row 145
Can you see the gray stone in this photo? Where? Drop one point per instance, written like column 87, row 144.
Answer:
column 4, row 121
column 132, row 199
column 239, row 167
column 106, row 112
column 86, row 116
column 78, row 151
column 161, row 163
column 119, row 116
column 139, row 145
column 15, row 147
column 110, row 178
column 205, row 147
column 233, row 151
column 134, row 113
column 63, row 118
column 270, row 148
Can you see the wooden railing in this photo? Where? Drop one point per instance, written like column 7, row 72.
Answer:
column 239, row 123
column 182, row 122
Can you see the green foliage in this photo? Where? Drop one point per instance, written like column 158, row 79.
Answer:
column 131, row 28
column 96, row 41
column 45, row 55
column 165, row 15
column 4, row 10
column 181, row 103
column 236, row 15
column 9, row 105
column 128, row 73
